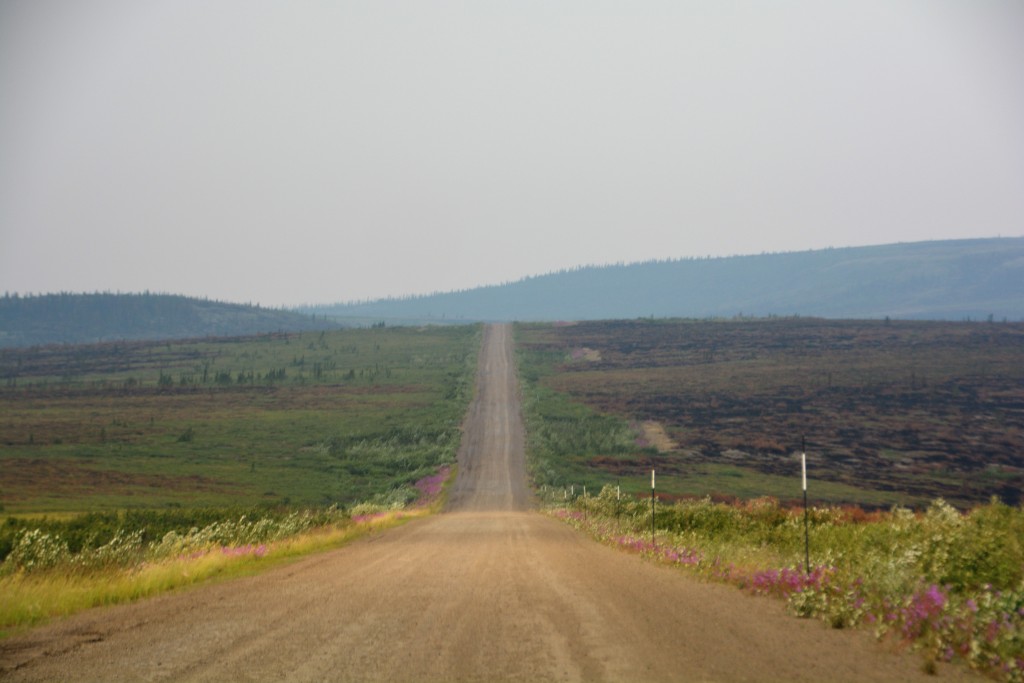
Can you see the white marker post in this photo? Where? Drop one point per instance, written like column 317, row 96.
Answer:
column 803, row 468
column 807, row 537
column 652, row 507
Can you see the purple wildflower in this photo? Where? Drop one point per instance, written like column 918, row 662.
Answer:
column 430, row 487
column 241, row 551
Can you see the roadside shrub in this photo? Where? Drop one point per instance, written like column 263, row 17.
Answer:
column 559, row 431
column 989, row 549
column 37, row 550
column 124, row 549
column 946, row 583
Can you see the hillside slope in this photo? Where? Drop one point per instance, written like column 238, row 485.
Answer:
column 948, row 280
column 86, row 318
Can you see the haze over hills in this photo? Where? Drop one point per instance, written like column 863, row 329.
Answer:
column 945, row 280
column 948, row 280
column 88, row 318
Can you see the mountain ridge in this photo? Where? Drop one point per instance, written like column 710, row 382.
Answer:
column 973, row 279
column 947, row 280
column 65, row 318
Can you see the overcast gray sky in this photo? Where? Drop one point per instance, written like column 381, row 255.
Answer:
column 315, row 151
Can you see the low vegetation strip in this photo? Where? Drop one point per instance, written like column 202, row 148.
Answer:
column 60, row 567
column 947, row 583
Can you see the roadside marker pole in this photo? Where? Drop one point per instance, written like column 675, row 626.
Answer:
column 807, row 536
column 652, row 507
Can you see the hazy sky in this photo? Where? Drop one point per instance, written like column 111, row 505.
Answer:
column 322, row 151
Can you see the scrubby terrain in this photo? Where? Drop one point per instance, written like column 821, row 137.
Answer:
column 892, row 412
column 489, row 590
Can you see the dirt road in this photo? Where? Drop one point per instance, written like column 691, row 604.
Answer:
column 488, row 591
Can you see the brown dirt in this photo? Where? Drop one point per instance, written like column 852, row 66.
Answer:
column 654, row 433
column 26, row 478
column 488, row 591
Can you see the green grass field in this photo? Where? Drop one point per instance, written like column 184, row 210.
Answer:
column 303, row 419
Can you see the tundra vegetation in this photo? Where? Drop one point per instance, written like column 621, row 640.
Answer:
column 947, row 583
column 316, row 418
column 132, row 467
column 893, row 412
column 897, row 416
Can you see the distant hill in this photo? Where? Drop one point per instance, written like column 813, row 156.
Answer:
column 86, row 318
column 946, row 280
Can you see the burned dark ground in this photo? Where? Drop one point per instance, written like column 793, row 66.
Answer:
column 918, row 409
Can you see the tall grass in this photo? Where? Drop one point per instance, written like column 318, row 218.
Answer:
column 43, row 578
column 32, row 597
column 947, row 583
column 563, row 436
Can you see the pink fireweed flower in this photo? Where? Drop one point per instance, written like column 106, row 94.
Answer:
column 369, row 517
column 241, row 551
column 786, row 581
column 935, row 597
column 923, row 613
column 684, row 556
column 430, row 487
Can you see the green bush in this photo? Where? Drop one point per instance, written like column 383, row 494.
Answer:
column 947, row 582
column 102, row 540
